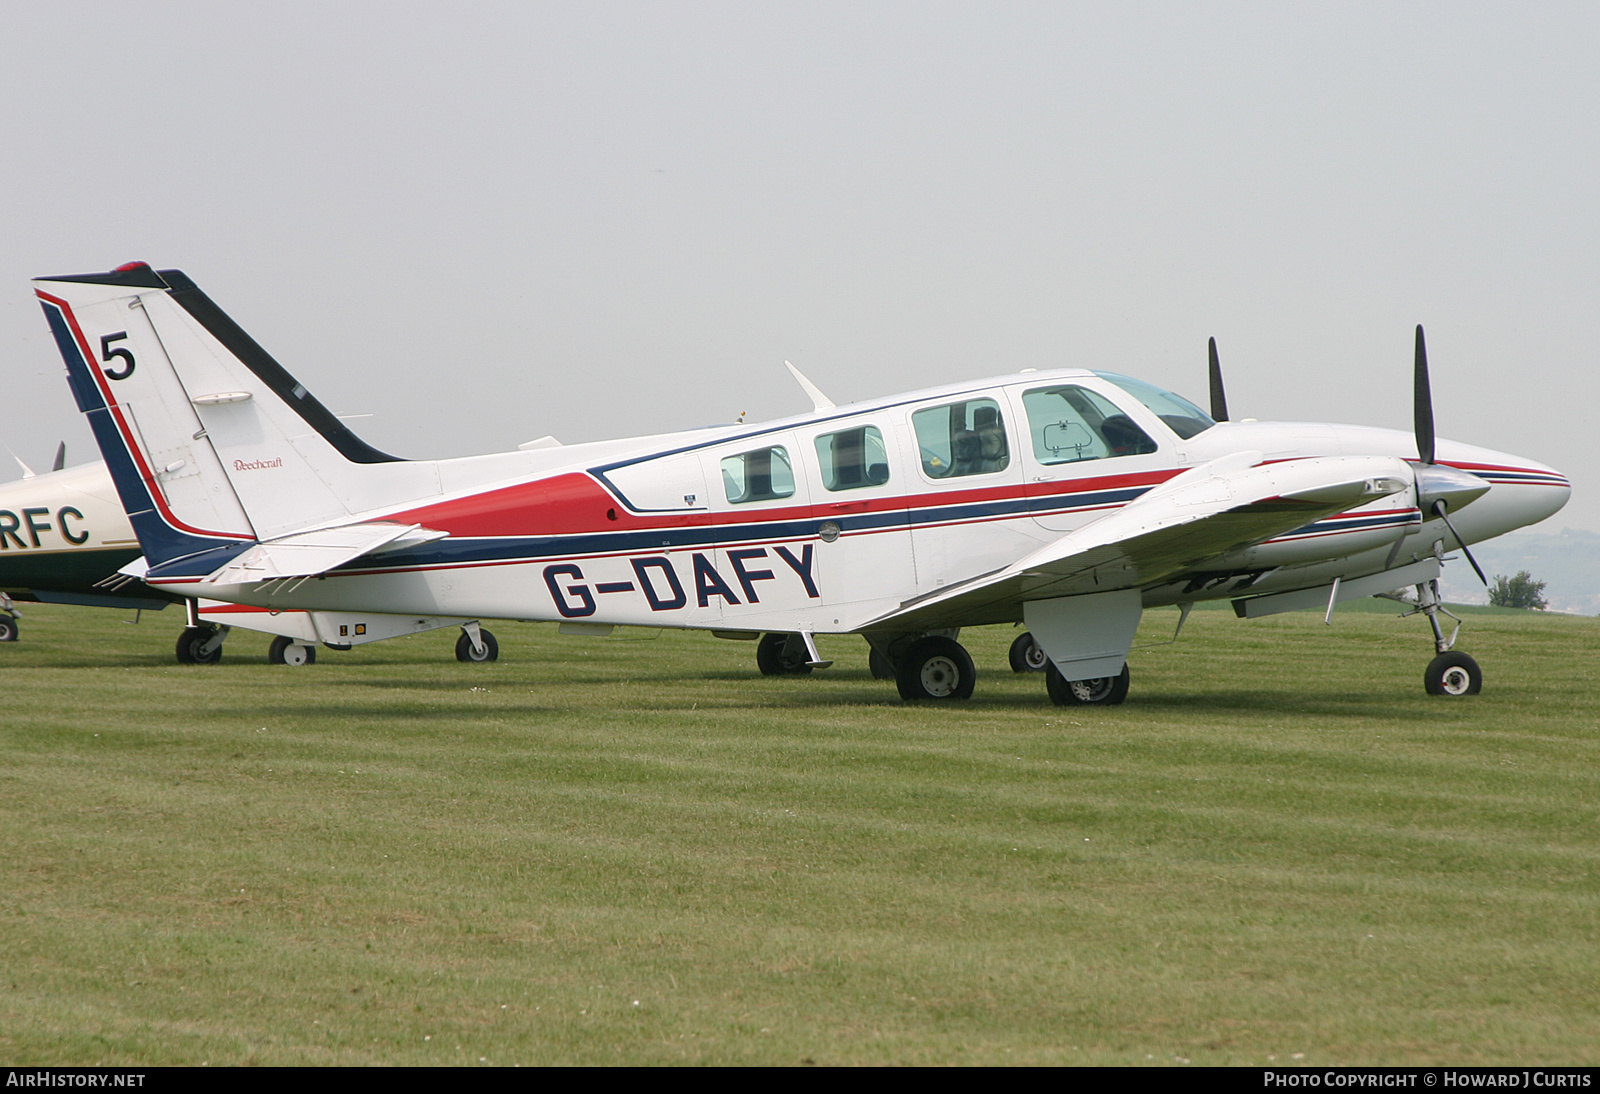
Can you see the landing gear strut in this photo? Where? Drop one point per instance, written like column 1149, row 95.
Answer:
column 1449, row 673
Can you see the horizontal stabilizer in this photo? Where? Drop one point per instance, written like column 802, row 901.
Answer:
column 306, row 554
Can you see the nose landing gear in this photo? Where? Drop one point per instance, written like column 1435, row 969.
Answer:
column 1450, row 673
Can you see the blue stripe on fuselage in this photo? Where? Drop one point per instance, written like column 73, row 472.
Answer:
column 159, row 540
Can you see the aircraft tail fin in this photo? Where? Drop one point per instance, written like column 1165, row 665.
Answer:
column 213, row 445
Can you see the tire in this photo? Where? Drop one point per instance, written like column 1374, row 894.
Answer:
column 1106, row 691
column 772, row 659
column 882, row 668
column 8, row 628
column 1027, row 655
column 1453, row 674
column 191, row 647
column 286, row 651
column 465, row 652
column 936, row 667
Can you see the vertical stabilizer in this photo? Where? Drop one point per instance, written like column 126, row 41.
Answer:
column 209, row 439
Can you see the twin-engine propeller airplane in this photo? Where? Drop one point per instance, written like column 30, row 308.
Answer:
column 1070, row 500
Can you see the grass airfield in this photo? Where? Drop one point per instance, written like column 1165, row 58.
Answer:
column 1280, row 851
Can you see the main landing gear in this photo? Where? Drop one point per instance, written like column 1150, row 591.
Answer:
column 1107, row 691
column 935, row 667
column 1450, row 673
column 1027, row 655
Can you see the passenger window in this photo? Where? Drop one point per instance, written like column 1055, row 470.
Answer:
column 966, row 438
column 762, row 475
column 1071, row 423
column 853, row 458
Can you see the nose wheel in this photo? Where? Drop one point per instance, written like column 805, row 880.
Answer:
column 1451, row 673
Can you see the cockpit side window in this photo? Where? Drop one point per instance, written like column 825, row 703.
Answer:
column 1070, row 423
column 967, row 438
column 762, row 475
column 1180, row 415
column 853, row 458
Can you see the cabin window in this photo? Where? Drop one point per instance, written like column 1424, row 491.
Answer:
column 762, row 475
column 967, row 438
column 1071, row 423
column 1180, row 415
column 853, row 458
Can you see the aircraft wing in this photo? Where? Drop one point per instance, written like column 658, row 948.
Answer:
column 1225, row 505
column 306, row 554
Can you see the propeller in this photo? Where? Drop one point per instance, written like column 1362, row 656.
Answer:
column 1438, row 487
column 1219, row 401
column 1441, row 508
column 1422, row 402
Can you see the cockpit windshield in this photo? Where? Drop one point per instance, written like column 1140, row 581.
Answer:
column 1181, row 416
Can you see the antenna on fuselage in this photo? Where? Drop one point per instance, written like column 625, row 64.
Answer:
column 27, row 472
column 61, row 457
column 819, row 401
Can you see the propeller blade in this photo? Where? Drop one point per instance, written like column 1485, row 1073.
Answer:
column 1422, row 399
column 1440, row 508
column 61, row 457
column 1219, row 401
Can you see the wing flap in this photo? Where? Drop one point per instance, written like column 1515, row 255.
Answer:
column 1225, row 505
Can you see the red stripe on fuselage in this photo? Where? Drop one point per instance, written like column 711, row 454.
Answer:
column 574, row 503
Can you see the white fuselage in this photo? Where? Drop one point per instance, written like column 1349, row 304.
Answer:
column 867, row 515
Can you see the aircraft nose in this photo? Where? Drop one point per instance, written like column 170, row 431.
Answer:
column 1522, row 492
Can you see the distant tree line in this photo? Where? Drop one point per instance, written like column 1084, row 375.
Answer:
column 1520, row 591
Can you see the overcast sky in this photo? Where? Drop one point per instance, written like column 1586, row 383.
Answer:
column 482, row 223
